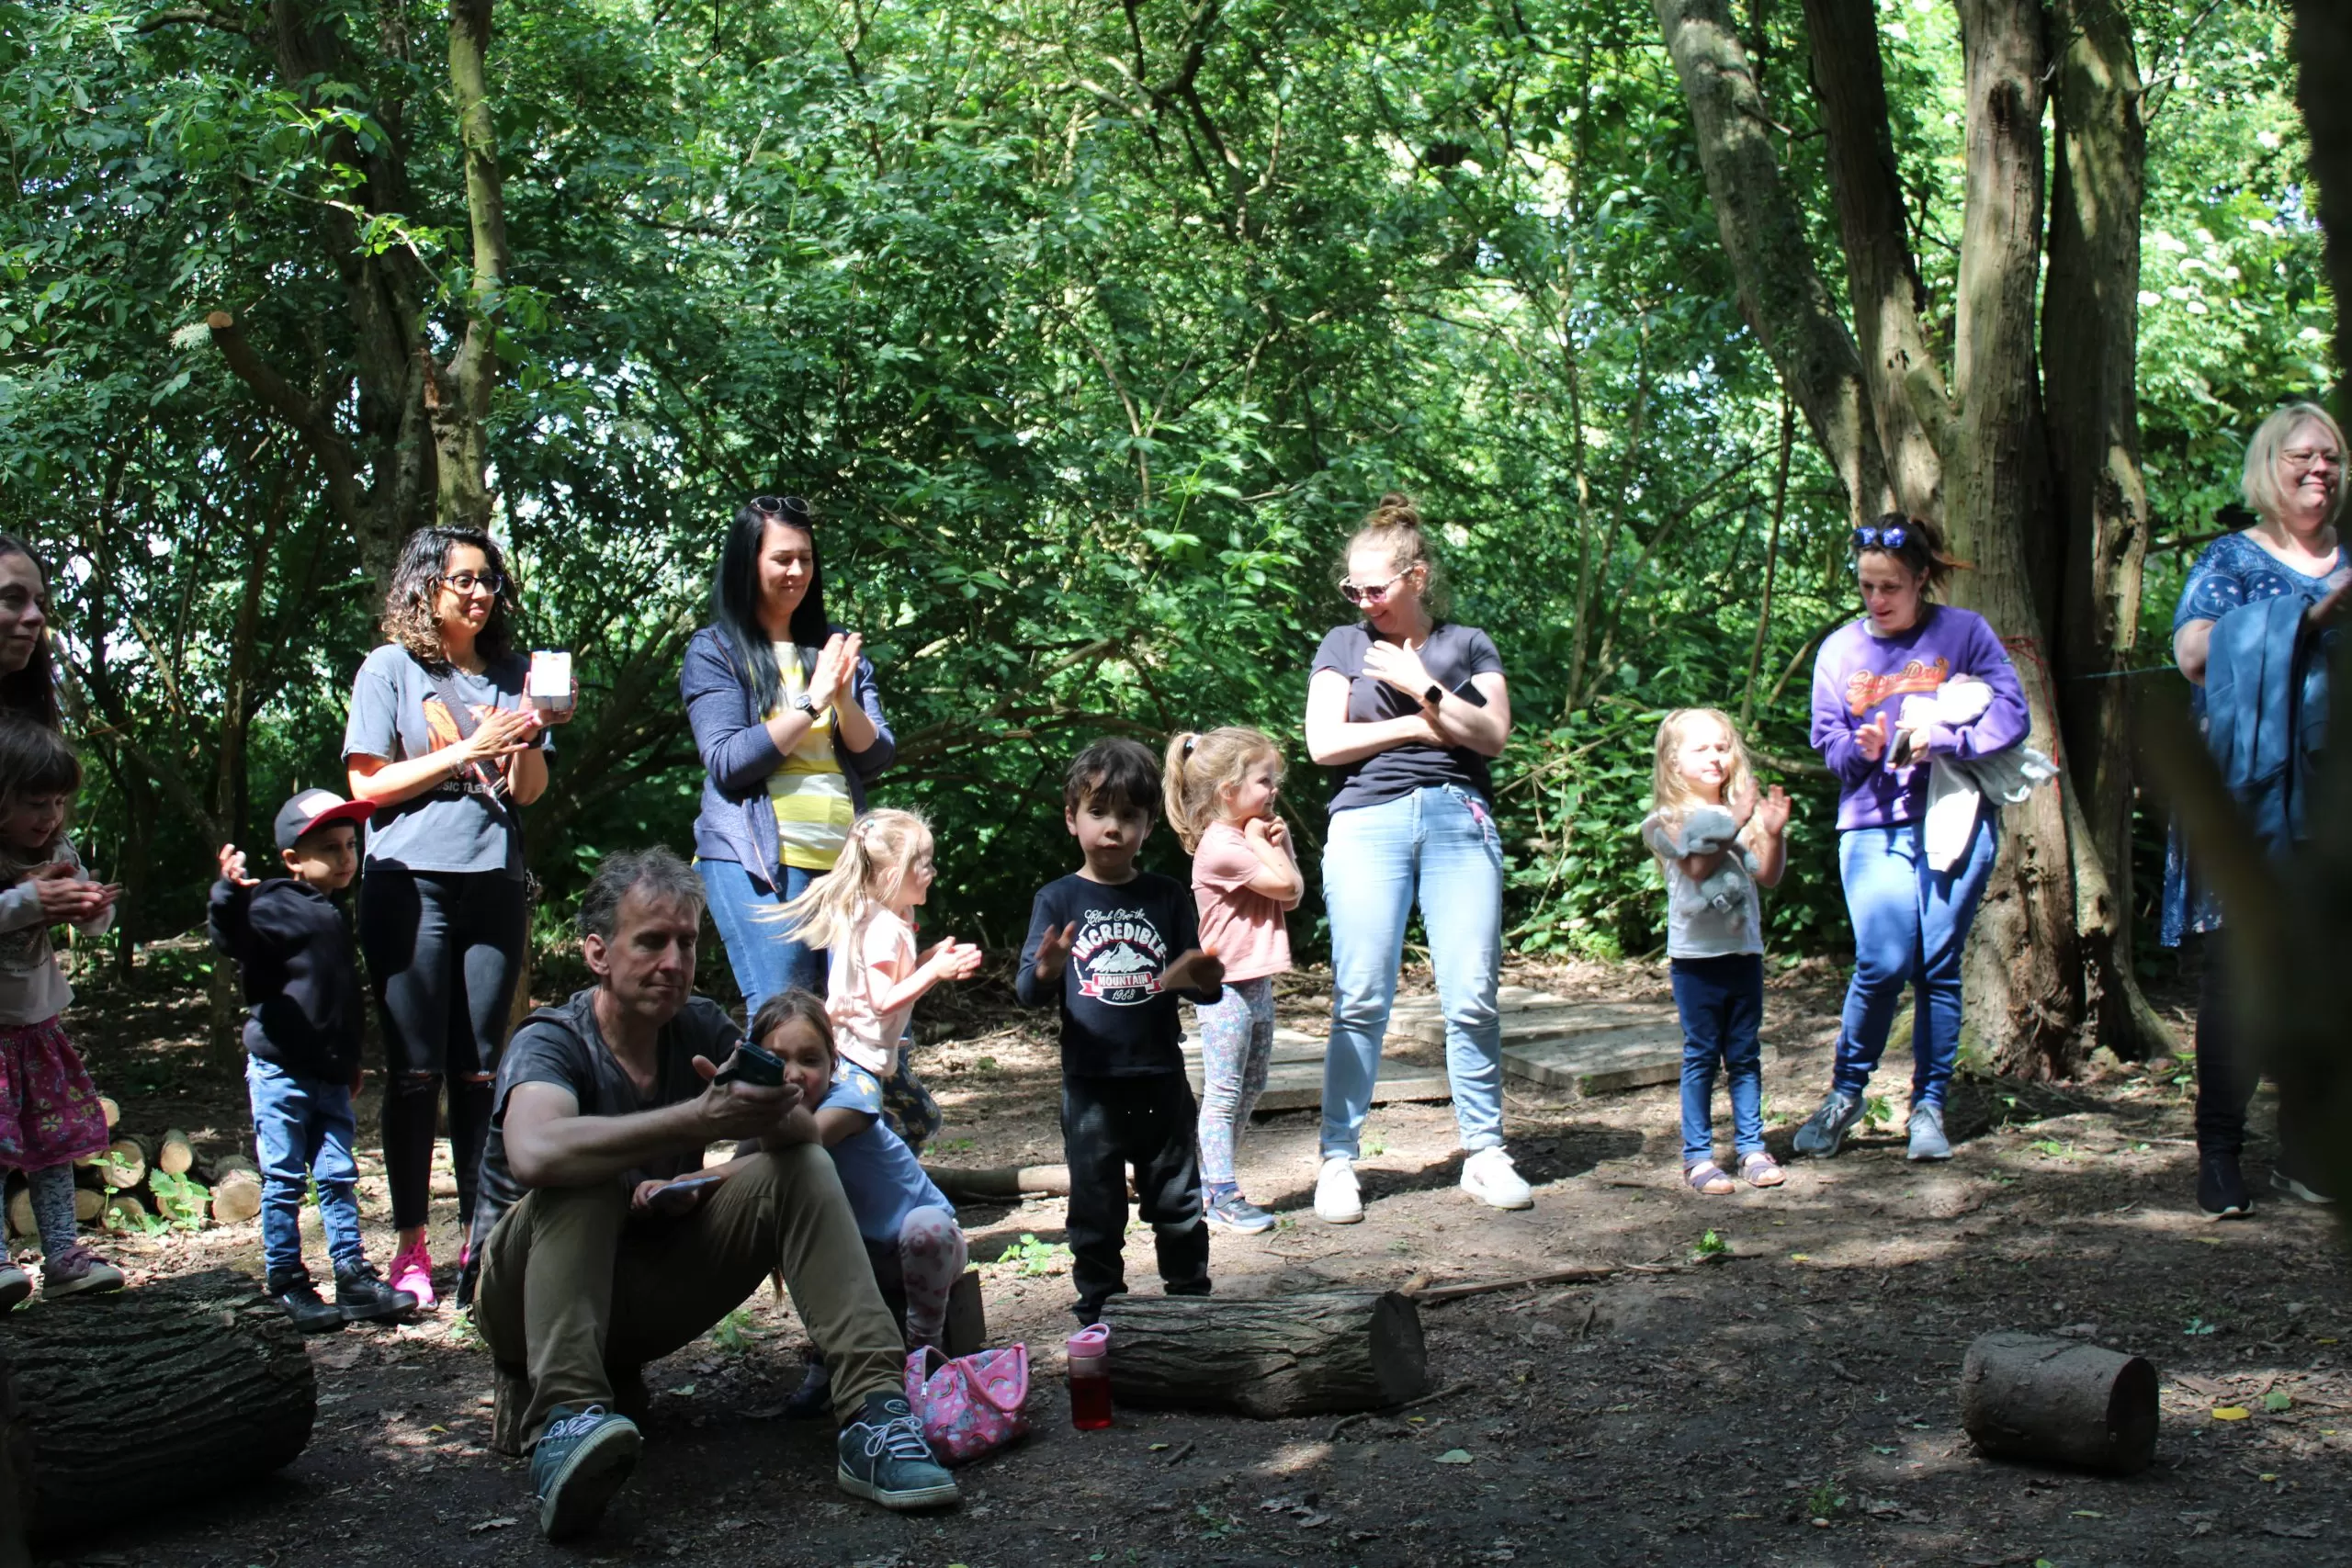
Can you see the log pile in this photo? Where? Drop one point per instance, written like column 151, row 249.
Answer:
column 140, row 1179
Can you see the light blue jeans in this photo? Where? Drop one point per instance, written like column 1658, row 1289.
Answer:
column 1910, row 925
column 766, row 961
column 1437, row 846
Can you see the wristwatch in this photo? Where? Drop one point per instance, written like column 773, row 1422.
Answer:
column 1430, row 697
column 803, row 702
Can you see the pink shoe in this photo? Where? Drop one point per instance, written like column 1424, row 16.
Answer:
column 413, row 1273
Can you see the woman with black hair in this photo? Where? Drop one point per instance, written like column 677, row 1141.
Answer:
column 28, row 684
column 444, row 743
column 790, row 727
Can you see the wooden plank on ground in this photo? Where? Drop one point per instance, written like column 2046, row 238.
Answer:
column 1294, row 1081
column 1599, row 1061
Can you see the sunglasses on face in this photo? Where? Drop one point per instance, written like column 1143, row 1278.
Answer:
column 491, row 583
column 1893, row 539
column 790, row 506
column 1372, row 593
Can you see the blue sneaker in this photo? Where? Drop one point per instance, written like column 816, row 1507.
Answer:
column 883, row 1458
column 1928, row 1139
column 580, row 1461
column 1232, row 1211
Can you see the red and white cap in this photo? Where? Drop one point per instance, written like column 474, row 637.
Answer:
column 314, row 809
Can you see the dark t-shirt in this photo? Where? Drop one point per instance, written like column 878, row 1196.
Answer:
column 1117, row 1020
column 562, row 1045
column 1452, row 654
column 400, row 711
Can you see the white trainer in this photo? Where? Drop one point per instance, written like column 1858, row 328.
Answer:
column 1337, row 1201
column 1490, row 1176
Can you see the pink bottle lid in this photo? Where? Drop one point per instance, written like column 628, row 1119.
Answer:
column 1092, row 1343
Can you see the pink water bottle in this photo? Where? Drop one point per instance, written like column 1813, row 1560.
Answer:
column 1090, row 1379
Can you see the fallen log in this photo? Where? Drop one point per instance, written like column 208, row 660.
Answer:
column 1000, row 1184
column 108, row 1109
column 218, row 1378
column 2022, row 1396
column 1586, row 1274
column 124, row 1164
column 1272, row 1357
column 89, row 1205
column 175, row 1155
column 124, row 1212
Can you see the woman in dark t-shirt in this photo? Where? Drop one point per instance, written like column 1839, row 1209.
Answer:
column 1407, row 710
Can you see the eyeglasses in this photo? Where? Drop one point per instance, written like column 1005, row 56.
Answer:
column 790, row 506
column 491, row 583
column 1893, row 539
column 1373, row 593
column 2306, row 460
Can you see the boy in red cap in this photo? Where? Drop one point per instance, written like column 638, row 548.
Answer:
column 301, row 984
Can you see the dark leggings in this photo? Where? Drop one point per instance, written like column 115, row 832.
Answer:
column 444, row 951
column 2227, row 1075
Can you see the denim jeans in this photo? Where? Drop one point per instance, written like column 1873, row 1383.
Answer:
column 1722, row 1004
column 1910, row 924
column 302, row 1129
column 1438, row 845
column 766, row 961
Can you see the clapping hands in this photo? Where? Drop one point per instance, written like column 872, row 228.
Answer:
column 68, row 899
column 951, row 960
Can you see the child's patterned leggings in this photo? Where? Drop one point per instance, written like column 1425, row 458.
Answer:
column 932, row 1255
column 51, row 1192
column 1236, row 1047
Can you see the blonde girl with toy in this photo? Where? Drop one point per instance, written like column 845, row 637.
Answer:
column 50, row 1115
column 1717, row 842
column 1220, row 787
column 863, row 915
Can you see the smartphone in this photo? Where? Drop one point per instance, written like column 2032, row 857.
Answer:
column 549, row 687
column 1902, row 757
column 690, row 1183
column 753, row 1065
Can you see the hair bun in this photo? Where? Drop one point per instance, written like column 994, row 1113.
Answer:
column 1395, row 510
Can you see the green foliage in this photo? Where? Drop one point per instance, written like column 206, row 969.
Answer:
column 1090, row 383
column 181, row 1201
column 1031, row 1258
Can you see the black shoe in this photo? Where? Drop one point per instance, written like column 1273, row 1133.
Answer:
column 2221, row 1190
column 579, row 1462
column 814, row 1397
column 883, row 1458
column 361, row 1297
column 2281, row 1181
column 298, row 1299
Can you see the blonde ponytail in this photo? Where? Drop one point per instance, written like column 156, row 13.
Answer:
column 881, row 845
column 1200, row 766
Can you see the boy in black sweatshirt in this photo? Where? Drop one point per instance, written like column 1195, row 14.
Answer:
column 1115, row 947
column 302, row 981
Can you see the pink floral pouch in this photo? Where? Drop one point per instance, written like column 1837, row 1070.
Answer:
column 972, row 1405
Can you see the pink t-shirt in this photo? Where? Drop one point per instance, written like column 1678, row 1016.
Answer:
column 1244, row 929
column 861, row 1034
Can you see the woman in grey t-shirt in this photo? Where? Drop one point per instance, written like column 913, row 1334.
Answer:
column 1407, row 710
column 444, row 744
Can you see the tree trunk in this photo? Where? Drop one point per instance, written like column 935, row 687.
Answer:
column 2090, row 348
column 2022, row 1396
column 456, row 397
column 1908, row 402
column 2323, row 64
column 1283, row 1356
column 172, row 1392
column 1781, row 290
column 2024, row 965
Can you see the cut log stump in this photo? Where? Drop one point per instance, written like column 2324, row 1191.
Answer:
column 236, row 1189
column 1000, row 1184
column 175, row 1155
column 176, row 1390
column 124, row 1164
column 89, row 1205
column 2022, row 1396
column 1272, row 1357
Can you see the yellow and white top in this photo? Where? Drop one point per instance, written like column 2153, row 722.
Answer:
column 809, row 792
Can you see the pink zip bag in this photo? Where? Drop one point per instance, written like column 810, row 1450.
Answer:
column 971, row 1405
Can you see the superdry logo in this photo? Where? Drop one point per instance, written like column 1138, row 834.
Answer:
column 1119, row 955
column 1865, row 690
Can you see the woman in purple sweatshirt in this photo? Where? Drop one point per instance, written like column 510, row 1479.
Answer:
column 1910, row 921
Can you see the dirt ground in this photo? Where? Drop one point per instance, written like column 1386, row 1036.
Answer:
column 1788, row 1399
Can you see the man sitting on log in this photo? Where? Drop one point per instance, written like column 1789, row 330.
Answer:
column 604, row 1244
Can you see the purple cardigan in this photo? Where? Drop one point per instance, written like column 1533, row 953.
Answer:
column 1858, row 676
column 738, row 754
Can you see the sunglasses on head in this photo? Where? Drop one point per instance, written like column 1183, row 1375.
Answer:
column 790, row 506
column 1893, row 539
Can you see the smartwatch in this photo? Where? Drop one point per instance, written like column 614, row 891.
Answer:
column 1433, row 694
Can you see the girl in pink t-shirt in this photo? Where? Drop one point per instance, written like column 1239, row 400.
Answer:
column 864, row 911
column 1220, row 789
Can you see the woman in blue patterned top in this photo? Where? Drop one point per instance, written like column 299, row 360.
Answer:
column 2294, row 481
